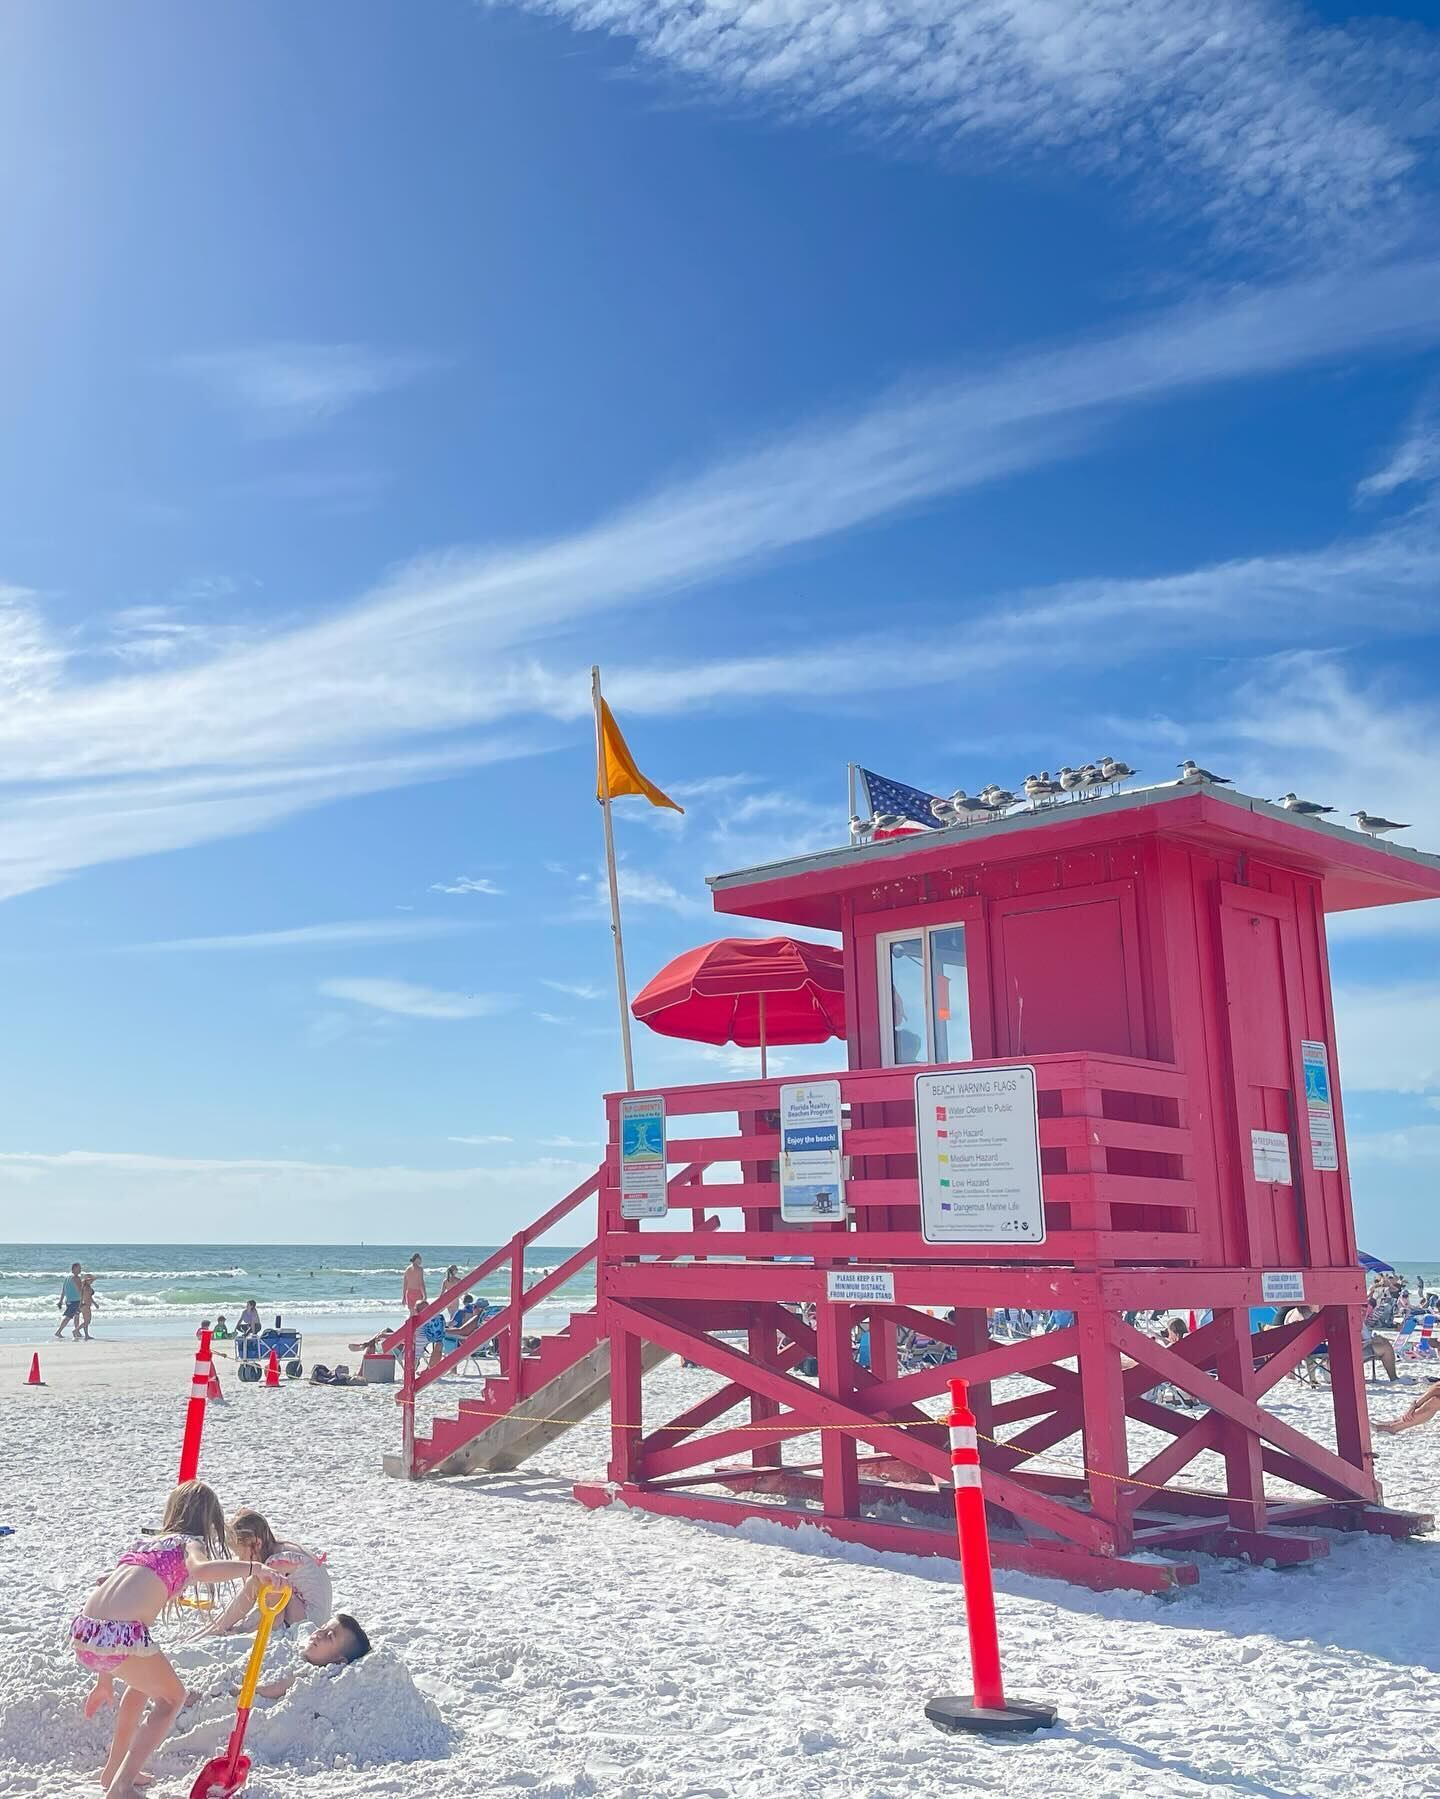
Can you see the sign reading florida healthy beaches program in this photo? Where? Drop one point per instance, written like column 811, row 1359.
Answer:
column 978, row 1142
column 812, row 1175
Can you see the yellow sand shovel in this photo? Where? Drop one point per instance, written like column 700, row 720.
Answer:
column 226, row 1774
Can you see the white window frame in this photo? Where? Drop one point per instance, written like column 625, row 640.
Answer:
column 883, row 942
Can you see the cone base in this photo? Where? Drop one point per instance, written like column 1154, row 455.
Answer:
column 954, row 1715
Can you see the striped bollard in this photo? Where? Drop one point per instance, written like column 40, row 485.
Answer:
column 986, row 1710
column 195, row 1411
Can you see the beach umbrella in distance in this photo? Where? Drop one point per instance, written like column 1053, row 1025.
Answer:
column 752, row 991
column 1373, row 1264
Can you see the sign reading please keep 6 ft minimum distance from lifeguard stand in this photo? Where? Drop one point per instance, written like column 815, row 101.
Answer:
column 977, row 1136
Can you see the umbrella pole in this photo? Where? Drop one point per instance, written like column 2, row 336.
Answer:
column 764, row 1063
column 621, row 990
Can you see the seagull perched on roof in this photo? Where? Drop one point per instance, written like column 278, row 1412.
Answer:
column 946, row 812
column 970, row 809
column 1041, row 787
column 1192, row 775
column 1071, row 780
column 1306, row 808
column 998, row 797
column 1115, row 771
column 1374, row 826
column 1091, row 777
column 889, row 821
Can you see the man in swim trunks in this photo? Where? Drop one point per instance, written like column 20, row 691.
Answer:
column 71, row 1295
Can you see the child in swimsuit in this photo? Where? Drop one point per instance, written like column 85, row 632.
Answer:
column 311, row 1596
column 112, row 1634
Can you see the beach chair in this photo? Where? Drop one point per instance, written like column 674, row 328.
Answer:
column 1416, row 1342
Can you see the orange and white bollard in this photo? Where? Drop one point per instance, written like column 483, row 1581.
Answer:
column 987, row 1709
column 195, row 1411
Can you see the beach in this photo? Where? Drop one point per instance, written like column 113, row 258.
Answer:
column 526, row 1645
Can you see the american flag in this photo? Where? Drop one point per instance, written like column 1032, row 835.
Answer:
column 882, row 795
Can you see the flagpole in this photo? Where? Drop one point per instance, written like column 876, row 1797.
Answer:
column 854, row 809
column 621, row 991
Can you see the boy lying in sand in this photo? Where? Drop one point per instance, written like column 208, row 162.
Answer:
column 334, row 1644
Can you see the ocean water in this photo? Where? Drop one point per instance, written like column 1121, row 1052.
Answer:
column 165, row 1289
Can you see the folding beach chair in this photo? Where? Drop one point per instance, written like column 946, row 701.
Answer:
column 1416, row 1342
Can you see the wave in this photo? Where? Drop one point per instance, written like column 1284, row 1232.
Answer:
column 131, row 1274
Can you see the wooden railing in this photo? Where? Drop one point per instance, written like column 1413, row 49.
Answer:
column 507, row 1324
column 1115, row 1154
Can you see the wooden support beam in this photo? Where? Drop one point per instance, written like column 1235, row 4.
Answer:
column 1240, row 1410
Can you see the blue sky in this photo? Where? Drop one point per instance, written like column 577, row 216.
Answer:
column 952, row 386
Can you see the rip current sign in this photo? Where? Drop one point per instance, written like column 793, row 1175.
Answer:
column 978, row 1143
column 643, row 1189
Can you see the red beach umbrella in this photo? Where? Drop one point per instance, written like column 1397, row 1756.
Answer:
column 753, row 991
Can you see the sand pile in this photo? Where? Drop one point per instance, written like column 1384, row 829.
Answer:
column 364, row 1716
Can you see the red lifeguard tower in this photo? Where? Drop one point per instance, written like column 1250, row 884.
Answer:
column 1158, row 959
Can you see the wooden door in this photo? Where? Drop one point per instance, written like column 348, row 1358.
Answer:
column 1258, row 942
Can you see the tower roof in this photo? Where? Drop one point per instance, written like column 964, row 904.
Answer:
column 1354, row 870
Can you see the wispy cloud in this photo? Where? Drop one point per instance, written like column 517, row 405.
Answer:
column 1415, row 460
column 1268, row 128
column 144, row 761
column 319, row 936
column 280, row 388
column 466, row 884
column 406, row 999
column 576, row 989
column 480, row 1140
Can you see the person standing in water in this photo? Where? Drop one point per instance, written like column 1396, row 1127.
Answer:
column 413, row 1292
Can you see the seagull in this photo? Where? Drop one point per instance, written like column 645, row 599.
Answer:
column 970, row 809
column 1115, row 771
column 1090, row 776
column 1306, row 808
column 946, row 812
column 998, row 797
column 1070, row 780
column 860, row 828
column 1192, row 775
column 1374, row 826
column 889, row 821
column 1041, row 787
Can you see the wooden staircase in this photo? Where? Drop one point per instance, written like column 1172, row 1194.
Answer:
column 540, row 1392
column 564, row 1382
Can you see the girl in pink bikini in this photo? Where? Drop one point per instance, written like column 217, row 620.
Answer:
column 112, row 1634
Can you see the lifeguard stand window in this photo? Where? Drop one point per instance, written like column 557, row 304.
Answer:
column 924, row 973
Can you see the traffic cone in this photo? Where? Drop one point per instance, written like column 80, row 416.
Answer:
column 213, row 1390
column 272, row 1370
column 33, row 1378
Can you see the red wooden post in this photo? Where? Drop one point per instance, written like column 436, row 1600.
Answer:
column 195, row 1411
column 840, row 1479
column 986, row 1711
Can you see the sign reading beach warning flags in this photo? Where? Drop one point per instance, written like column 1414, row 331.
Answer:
column 977, row 1135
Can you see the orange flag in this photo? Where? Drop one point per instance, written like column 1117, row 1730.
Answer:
column 618, row 775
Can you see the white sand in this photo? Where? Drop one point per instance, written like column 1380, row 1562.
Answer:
column 528, row 1646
